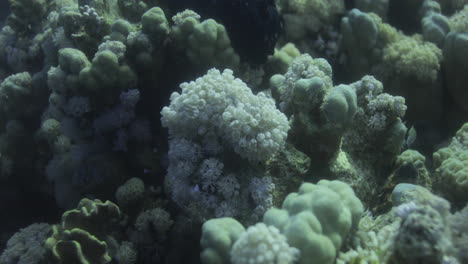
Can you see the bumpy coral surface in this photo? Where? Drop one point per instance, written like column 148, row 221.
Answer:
column 219, row 104
column 452, row 167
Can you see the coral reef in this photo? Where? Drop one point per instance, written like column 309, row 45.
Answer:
column 312, row 224
column 240, row 131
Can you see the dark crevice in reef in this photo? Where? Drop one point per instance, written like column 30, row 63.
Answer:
column 4, row 11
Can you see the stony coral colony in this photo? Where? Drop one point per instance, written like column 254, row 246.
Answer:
column 243, row 131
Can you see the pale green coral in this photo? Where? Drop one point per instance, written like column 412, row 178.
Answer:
column 317, row 219
column 72, row 60
column 412, row 57
column 435, row 28
column 360, row 35
column 106, row 73
column 319, row 113
column 303, row 17
column 218, row 237
column 325, row 11
column 133, row 9
column 206, row 44
column 64, row 78
column 411, row 168
column 27, row 14
column 339, row 105
column 155, row 25
column 281, row 59
column 15, row 93
column 377, row 124
column 411, row 156
column 120, row 30
column 459, row 21
column 408, row 66
column 451, row 165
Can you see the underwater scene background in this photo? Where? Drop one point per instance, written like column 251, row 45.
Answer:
column 234, row 131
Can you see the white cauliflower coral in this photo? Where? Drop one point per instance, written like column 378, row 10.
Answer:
column 219, row 104
column 262, row 244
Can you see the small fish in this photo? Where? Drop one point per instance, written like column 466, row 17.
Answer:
column 410, row 137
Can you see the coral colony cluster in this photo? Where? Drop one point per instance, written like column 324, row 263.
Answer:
column 234, row 131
